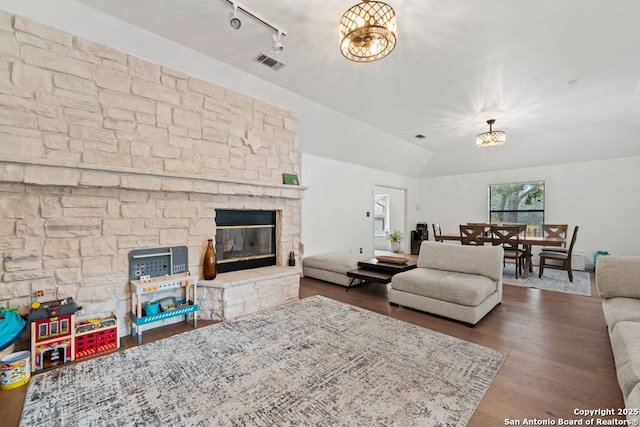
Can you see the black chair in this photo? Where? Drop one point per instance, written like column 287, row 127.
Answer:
column 436, row 232
column 472, row 234
column 559, row 254
column 508, row 236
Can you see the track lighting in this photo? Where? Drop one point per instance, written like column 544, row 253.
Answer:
column 277, row 44
column 234, row 21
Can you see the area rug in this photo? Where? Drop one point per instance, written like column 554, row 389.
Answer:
column 313, row 362
column 552, row 280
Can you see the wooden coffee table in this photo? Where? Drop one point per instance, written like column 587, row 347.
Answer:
column 374, row 271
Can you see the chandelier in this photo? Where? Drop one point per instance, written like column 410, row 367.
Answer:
column 368, row 31
column 491, row 138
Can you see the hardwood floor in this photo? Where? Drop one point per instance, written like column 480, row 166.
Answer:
column 559, row 356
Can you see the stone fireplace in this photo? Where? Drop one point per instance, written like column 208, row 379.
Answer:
column 103, row 152
column 255, row 276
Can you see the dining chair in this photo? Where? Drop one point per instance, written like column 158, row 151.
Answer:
column 472, row 234
column 557, row 254
column 508, row 236
column 555, row 230
column 436, row 232
column 487, row 227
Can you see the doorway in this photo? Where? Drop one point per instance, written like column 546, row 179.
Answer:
column 389, row 214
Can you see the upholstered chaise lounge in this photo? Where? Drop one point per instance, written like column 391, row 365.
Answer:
column 455, row 281
column 331, row 267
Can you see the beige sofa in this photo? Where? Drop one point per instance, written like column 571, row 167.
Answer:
column 459, row 282
column 618, row 283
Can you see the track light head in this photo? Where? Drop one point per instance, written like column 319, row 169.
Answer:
column 277, row 44
column 234, row 21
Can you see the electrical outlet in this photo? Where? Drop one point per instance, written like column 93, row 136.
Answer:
column 368, row 214
column 360, row 250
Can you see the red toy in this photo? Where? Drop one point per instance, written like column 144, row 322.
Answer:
column 51, row 333
column 96, row 336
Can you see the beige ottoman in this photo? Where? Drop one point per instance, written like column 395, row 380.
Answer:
column 331, row 267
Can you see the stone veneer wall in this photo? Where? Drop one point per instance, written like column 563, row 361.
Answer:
column 102, row 152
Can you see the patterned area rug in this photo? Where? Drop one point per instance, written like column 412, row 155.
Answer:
column 313, row 362
column 552, row 280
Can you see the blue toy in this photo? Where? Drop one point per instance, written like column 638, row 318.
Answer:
column 11, row 327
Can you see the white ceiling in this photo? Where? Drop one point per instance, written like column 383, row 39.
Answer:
column 562, row 78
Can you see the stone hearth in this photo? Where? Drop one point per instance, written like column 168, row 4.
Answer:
column 238, row 293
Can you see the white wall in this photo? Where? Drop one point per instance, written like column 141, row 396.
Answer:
column 336, row 202
column 602, row 197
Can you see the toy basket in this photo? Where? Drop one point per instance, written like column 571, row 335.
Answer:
column 7, row 350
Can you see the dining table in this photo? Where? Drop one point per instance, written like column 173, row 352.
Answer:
column 527, row 242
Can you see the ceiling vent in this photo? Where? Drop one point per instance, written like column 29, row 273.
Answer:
column 269, row 61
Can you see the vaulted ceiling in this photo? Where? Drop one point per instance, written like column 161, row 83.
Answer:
column 562, row 78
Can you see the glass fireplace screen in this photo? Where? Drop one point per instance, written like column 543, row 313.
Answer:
column 244, row 242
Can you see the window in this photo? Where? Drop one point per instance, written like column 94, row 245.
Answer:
column 518, row 203
column 64, row 326
column 43, row 330
column 381, row 214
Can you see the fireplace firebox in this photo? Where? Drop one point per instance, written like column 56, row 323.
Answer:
column 245, row 239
